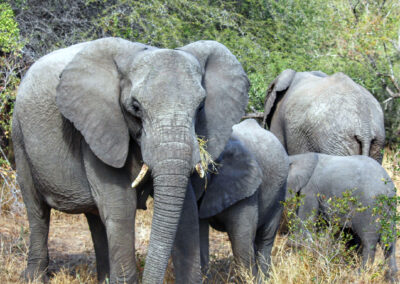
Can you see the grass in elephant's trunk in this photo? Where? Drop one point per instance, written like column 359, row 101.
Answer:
column 207, row 162
column 72, row 256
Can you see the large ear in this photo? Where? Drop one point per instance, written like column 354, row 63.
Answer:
column 226, row 85
column 238, row 177
column 301, row 168
column 275, row 93
column 88, row 96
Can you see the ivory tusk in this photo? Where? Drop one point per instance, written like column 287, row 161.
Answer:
column 140, row 176
column 200, row 170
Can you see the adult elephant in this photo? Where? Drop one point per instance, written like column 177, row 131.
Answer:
column 87, row 117
column 314, row 112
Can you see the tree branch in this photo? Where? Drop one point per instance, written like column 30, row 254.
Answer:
column 256, row 115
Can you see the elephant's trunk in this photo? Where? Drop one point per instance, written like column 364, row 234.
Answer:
column 170, row 174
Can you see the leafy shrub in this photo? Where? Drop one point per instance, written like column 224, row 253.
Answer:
column 325, row 234
column 10, row 61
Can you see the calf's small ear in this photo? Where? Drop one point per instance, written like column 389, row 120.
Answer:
column 301, row 168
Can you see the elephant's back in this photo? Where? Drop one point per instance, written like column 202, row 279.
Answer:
column 51, row 142
column 362, row 174
column 324, row 114
column 35, row 104
column 268, row 151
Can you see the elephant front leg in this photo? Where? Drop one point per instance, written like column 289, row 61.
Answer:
column 204, row 245
column 118, row 212
column 241, row 225
column 186, row 250
column 117, row 203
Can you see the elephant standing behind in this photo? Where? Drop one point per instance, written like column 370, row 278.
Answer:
column 319, row 177
column 314, row 112
column 243, row 198
column 88, row 116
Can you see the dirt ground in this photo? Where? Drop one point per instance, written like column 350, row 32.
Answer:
column 72, row 257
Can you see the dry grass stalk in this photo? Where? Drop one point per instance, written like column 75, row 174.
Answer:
column 10, row 195
column 207, row 161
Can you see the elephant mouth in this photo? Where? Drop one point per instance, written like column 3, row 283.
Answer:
column 145, row 168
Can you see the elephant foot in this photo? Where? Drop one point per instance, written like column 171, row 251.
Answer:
column 391, row 276
column 35, row 275
column 124, row 280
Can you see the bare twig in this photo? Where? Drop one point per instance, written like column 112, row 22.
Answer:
column 257, row 115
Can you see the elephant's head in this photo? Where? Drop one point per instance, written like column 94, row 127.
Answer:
column 115, row 90
column 278, row 88
column 301, row 168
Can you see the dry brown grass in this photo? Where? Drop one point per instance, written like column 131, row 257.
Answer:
column 72, row 257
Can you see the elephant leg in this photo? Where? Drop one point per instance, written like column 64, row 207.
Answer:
column 307, row 213
column 241, row 225
column 117, row 203
column 369, row 241
column 39, row 218
column 265, row 238
column 119, row 216
column 390, row 256
column 100, row 243
column 186, row 250
column 204, row 245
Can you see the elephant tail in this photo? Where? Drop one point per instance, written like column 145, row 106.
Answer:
column 364, row 144
column 365, row 147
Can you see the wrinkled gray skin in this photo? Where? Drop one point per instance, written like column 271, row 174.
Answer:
column 87, row 117
column 311, row 174
column 314, row 112
column 244, row 197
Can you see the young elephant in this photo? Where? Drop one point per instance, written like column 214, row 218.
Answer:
column 244, row 197
column 319, row 175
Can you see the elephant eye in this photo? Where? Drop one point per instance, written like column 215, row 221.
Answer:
column 136, row 108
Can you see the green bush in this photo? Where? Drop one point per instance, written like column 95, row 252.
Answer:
column 10, row 61
column 354, row 37
column 9, row 32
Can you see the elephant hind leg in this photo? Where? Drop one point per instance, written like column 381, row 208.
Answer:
column 100, row 243
column 368, row 248
column 265, row 238
column 390, row 256
column 39, row 219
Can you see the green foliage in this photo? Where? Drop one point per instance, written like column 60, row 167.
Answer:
column 325, row 233
column 9, row 32
column 10, row 56
column 359, row 38
column 386, row 211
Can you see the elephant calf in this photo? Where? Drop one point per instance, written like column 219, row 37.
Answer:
column 319, row 175
column 244, row 197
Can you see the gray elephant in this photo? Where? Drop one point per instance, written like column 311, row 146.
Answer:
column 319, row 177
column 314, row 112
column 244, row 197
column 88, row 116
